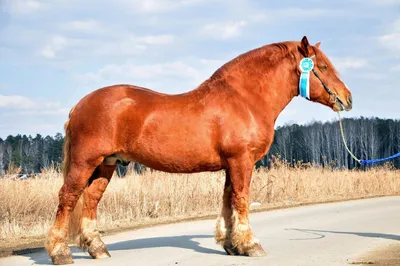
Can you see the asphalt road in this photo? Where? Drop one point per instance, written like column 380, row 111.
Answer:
column 326, row 234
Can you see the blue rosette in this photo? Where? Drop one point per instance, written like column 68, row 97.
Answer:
column 306, row 65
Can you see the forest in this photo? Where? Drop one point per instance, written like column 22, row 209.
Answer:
column 316, row 142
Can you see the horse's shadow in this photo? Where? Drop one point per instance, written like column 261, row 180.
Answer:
column 184, row 242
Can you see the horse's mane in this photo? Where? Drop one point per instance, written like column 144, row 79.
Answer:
column 271, row 52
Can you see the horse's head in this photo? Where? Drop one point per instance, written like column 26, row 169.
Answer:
column 324, row 85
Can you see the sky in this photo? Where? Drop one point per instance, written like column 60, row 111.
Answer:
column 52, row 53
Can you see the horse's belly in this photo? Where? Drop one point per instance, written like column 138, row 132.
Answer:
column 176, row 154
column 178, row 160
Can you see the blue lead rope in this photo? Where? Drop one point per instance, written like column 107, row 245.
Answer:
column 363, row 162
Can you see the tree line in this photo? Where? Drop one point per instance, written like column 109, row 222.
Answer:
column 321, row 143
column 318, row 143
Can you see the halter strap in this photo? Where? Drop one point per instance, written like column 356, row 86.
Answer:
column 332, row 95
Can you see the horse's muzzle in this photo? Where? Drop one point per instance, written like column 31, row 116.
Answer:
column 349, row 105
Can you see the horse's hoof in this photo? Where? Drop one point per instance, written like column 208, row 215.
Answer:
column 62, row 260
column 98, row 249
column 231, row 251
column 256, row 251
column 100, row 254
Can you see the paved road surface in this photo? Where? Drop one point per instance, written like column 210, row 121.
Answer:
column 326, row 234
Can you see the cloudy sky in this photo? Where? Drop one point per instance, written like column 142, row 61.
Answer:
column 52, row 53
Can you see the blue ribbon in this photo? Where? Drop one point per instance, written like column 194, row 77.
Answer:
column 304, row 85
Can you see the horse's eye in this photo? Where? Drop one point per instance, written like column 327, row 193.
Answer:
column 323, row 68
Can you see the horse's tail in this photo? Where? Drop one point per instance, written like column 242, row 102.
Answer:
column 76, row 214
column 67, row 150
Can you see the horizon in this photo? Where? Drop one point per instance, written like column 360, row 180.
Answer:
column 53, row 55
column 277, row 127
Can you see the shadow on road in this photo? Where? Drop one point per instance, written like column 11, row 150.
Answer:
column 184, row 241
column 322, row 233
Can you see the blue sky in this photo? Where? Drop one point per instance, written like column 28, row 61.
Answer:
column 55, row 52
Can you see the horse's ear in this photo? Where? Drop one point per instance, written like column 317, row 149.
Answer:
column 305, row 47
column 317, row 44
column 304, row 42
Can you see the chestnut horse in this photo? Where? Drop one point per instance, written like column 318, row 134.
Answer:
column 227, row 123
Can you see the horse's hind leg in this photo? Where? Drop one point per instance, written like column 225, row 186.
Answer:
column 89, row 236
column 74, row 184
column 239, row 237
column 224, row 223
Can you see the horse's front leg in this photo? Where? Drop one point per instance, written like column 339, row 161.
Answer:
column 239, row 237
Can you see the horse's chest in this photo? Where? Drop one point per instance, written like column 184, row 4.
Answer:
column 260, row 145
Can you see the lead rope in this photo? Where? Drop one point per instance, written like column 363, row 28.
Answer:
column 363, row 162
column 344, row 140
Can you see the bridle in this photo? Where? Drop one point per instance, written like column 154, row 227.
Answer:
column 332, row 95
column 307, row 65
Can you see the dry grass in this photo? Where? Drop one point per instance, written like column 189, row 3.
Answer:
column 27, row 208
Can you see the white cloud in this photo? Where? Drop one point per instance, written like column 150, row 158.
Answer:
column 271, row 16
column 371, row 76
column 385, row 2
column 81, row 25
column 152, row 5
column 19, row 126
column 26, row 106
column 156, row 39
column 396, row 25
column 26, row 6
column 224, row 30
column 128, row 45
column 391, row 40
column 16, row 101
column 156, row 6
column 56, row 111
column 395, row 68
column 303, row 13
column 213, row 63
column 129, row 72
column 118, row 44
column 56, row 44
column 345, row 63
column 231, row 28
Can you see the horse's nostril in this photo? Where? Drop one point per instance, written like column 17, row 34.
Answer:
column 350, row 100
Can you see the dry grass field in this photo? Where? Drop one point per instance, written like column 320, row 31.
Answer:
column 27, row 208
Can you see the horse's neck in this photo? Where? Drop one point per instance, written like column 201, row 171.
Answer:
column 270, row 88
